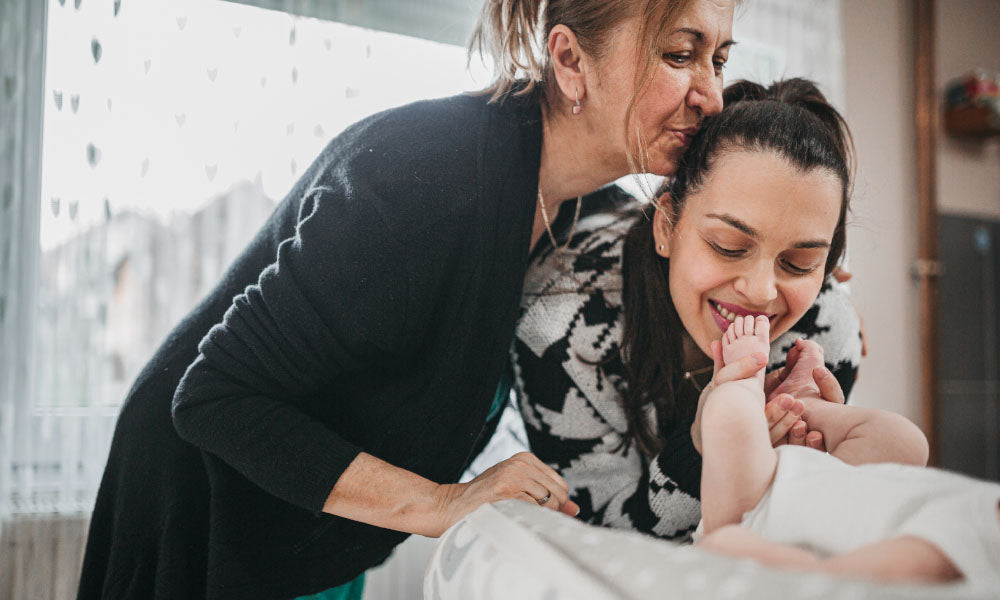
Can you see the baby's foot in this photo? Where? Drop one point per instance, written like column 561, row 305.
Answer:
column 804, row 357
column 744, row 337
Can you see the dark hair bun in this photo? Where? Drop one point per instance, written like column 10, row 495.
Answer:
column 804, row 94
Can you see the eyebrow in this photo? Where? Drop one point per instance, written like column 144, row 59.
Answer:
column 700, row 37
column 750, row 231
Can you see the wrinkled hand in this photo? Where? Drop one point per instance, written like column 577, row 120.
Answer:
column 522, row 477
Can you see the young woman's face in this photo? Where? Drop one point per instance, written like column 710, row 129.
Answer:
column 686, row 85
column 753, row 240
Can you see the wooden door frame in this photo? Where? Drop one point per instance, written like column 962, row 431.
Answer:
column 928, row 266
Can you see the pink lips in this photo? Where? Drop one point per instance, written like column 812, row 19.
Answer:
column 735, row 309
column 685, row 135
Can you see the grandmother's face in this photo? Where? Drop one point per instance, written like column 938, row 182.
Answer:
column 752, row 241
column 685, row 85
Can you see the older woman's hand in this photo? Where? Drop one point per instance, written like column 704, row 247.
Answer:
column 522, row 477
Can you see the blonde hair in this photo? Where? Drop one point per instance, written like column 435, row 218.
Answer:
column 514, row 33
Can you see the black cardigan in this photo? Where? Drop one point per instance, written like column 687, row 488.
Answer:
column 374, row 311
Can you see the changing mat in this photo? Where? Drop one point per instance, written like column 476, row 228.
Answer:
column 514, row 549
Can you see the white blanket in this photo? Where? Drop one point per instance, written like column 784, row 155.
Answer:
column 514, row 549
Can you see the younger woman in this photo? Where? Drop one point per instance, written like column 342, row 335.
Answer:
column 612, row 349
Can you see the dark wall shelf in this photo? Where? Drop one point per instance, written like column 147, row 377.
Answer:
column 972, row 122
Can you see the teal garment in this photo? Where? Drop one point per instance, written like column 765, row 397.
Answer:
column 354, row 589
column 502, row 394
column 348, row 591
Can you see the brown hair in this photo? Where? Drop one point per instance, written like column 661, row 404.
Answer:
column 791, row 118
column 515, row 34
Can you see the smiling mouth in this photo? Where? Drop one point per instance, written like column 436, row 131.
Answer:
column 729, row 312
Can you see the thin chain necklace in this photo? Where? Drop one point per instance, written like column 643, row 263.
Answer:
column 689, row 376
column 548, row 226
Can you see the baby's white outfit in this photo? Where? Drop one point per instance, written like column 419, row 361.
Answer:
column 846, row 507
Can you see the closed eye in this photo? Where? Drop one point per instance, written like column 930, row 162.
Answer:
column 797, row 270
column 727, row 252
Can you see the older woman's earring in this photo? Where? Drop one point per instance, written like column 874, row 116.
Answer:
column 660, row 247
column 577, row 109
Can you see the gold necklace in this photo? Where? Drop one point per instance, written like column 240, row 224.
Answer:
column 548, row 227
column 689, row 375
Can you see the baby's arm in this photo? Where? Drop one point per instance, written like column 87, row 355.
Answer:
column 858, row 435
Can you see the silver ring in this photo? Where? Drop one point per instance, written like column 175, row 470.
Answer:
column 545, row 499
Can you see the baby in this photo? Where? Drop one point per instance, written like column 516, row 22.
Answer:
column 840, row 512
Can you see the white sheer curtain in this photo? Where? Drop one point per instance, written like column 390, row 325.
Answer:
column 22, row 60
column 171, row 128
column 790, row 38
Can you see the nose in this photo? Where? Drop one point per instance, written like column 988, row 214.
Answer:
column 705, row 93
column 758, row 285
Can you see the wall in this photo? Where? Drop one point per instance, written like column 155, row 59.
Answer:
column 968, row 36
column 878, row 68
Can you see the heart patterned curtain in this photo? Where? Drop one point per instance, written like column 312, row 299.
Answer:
column 445, row 21
column 171, row 129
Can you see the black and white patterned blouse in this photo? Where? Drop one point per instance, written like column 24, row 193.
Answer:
column 569, row 378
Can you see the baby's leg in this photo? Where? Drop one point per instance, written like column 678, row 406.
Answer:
column 738, row 460
column 899, row 560
column 734, row 540
column 902, row 559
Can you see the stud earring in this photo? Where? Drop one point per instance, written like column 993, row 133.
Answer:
column 660, row 247
column 577, row 109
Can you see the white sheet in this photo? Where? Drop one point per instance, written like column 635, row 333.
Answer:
column 514, row 549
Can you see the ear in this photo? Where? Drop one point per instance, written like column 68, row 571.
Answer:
column 568, row 63
column 662, row 226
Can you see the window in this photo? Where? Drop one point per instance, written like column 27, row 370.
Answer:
column 171, row 130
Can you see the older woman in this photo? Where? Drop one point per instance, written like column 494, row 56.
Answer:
column 321, row 402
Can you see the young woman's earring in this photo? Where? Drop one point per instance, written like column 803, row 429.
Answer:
column 660, row 248
column 577, row 109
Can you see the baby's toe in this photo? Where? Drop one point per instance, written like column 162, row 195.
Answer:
column 762, row 326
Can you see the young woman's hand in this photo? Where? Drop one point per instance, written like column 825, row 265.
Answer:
column 522, row 477
column 783, row 411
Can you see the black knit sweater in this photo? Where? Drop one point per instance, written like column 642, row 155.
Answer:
column 373, row 312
